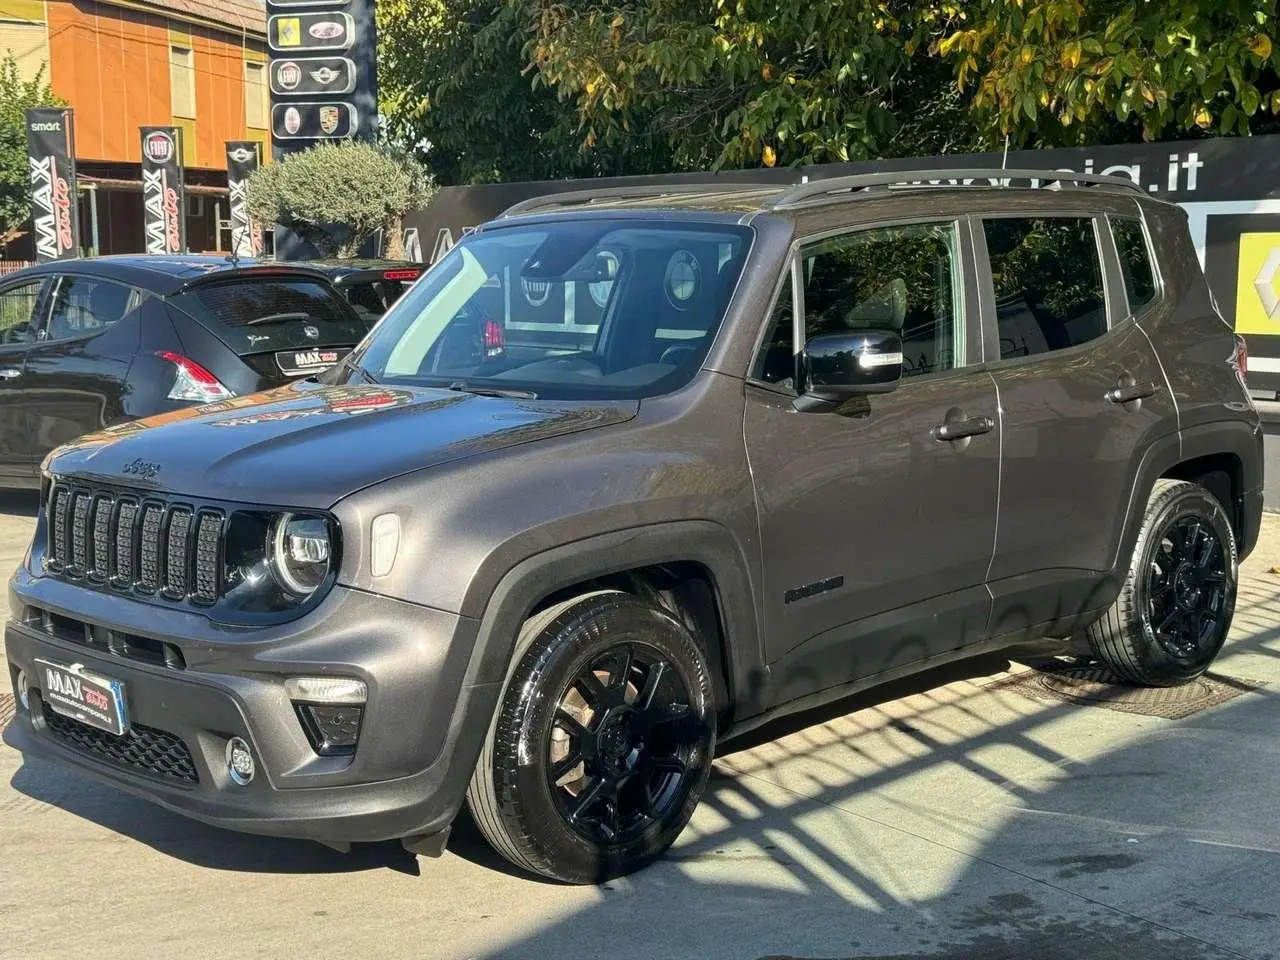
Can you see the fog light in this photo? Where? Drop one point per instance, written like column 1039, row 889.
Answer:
column 239, row 761
column 24, row 691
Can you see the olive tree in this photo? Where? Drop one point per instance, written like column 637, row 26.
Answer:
column 335, row 196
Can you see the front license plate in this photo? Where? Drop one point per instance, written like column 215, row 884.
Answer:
column 76, row 693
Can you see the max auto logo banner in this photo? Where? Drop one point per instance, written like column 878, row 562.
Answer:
column 163, row 191
column 51, row 166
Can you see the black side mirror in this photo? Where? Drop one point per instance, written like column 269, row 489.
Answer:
column 844, row 365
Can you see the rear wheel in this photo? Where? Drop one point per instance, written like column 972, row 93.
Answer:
column 603, row 741
column 1175, row 608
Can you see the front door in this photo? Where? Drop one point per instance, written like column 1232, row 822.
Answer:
column 79, row 363
column 876, row 532
column 1082, row 394
column 19, row 309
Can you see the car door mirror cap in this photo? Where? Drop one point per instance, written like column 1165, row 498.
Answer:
column 840, row 366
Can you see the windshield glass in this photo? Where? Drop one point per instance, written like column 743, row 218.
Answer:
column 587, row 308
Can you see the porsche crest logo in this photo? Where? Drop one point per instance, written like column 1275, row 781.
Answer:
column 329, row 117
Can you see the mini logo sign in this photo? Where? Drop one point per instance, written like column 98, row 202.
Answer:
column 289, row 75
column 326, row 30
column 292, row 120
column 324, row 76
column 241, row 155
column 328, row 118
column 158, row 146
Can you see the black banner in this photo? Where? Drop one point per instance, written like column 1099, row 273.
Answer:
column 322, row 72
column 163, row 194
column 243, row 157
column 51, row 161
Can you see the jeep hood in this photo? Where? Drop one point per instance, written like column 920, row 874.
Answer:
column 307, row 445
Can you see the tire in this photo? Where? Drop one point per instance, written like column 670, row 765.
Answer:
column 582, row 781
column 1176, row 604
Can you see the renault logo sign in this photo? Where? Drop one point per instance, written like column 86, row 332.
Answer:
column 1258, row 284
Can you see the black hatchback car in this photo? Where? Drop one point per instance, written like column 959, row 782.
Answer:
column 85, row 344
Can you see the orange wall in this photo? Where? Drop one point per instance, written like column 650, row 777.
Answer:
column 112, row 66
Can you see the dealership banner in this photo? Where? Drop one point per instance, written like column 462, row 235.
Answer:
column 163, row 191
column 243, row 157
column 322, row 72
column 51, row 162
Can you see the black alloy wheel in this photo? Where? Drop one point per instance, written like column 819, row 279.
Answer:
column 1175, row 606
column 1186, row 588
column 619, row 748
column 602, row 743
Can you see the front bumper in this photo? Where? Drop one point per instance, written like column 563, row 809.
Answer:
column 410, row 769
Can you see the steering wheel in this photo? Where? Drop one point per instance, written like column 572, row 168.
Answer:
column 677, row 354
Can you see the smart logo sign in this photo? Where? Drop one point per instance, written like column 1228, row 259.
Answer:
column 322, row 74
column 51, row 165
column 164, row 226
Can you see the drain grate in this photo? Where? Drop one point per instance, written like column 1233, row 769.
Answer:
column 1096, row 686
column 6, row 708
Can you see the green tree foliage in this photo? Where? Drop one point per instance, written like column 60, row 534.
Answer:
column 523, row 89
column 338, row 195
column 1067, row 72
column 456, row 87
column 16, row 97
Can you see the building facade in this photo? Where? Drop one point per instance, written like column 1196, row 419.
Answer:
column 122, row 64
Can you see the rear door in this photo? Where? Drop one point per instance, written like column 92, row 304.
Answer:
column 281, row 326
column 76, row 370
column 1081, row 394
column 20, row 304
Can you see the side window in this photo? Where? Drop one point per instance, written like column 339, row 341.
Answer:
column 17, row 311
column 775, row 363
column 86, row 305
column 1135, row 261
column 1048, row 283
column 896, row 278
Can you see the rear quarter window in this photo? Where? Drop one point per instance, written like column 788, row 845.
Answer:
column 257, row 315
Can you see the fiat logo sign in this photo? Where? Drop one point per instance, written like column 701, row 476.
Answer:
column 289, row 75
column 158, row 146
column 292, row 120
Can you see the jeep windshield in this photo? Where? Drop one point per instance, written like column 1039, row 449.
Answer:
column 578, row 309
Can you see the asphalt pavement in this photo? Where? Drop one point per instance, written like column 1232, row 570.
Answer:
column 959, row 820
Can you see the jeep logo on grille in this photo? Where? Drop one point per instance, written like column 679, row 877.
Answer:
column 141, row 468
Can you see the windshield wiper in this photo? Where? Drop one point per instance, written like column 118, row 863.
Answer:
column 483, row 391
column 277, row 318
column 350, row 364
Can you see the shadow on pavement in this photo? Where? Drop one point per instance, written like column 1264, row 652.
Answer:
column 19, row 503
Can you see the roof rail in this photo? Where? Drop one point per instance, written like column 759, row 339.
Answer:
column 912, row 179
column 635, row 192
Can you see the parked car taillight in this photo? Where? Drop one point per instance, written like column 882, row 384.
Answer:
column 193, row 382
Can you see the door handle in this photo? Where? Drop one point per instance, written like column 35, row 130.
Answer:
column 960, row 429
column 10, row 373
column 1129, row 392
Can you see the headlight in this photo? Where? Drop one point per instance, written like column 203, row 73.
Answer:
column 277, row 562
column 300, row 553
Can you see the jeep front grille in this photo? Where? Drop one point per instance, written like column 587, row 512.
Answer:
column 134, row 543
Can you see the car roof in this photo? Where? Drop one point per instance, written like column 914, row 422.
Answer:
column 165, row 274
column 742, row 200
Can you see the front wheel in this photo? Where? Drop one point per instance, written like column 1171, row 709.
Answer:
column 1175, row 608
column 603, row 741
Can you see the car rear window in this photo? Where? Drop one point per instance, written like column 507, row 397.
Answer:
column 261, row 314
column 374, row 297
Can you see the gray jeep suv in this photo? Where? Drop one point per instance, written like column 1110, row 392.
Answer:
column 626, row 474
